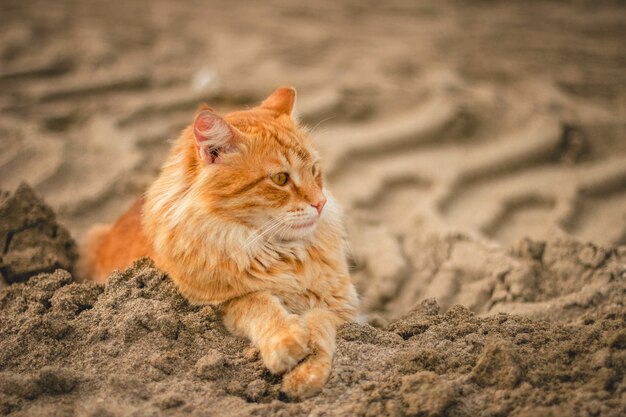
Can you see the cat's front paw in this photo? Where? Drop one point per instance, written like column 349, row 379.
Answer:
column 285, row 347
column 306, row 380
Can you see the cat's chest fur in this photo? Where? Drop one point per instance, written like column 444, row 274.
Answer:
column 291, row 261
column 312, row 273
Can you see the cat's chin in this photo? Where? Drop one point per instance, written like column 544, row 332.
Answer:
column 300, row 230
column 304, row 225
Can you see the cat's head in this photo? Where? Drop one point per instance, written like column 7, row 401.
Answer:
column 257, row 167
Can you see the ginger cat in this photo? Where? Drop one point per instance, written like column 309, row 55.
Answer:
column 239, row 218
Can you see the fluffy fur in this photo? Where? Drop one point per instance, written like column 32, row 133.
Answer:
column 272, row 257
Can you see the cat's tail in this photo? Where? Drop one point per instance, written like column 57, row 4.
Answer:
column 86, row 267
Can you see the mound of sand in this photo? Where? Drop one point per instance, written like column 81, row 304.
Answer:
column 136, row 347
column 559, row 279
column 32, row 241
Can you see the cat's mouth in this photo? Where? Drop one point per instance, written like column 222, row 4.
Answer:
column 304, row 225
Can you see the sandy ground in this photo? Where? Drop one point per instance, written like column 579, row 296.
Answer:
column 135, row 347
column 479, row 149
column 503, row 120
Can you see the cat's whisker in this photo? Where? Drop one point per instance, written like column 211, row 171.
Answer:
column 258, row 232
column 319, row 123
column 261, row 230
column 264, row 230
column 255, row 238
column 276, row 223
column 281, row 230
column 281, row 227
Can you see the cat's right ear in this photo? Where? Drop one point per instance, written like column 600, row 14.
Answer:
column 282, row 101
column 213, row 136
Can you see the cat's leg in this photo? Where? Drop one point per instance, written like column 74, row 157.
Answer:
column 279, row 335
column 309, row 377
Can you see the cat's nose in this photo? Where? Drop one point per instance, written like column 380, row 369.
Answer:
column 319, row 205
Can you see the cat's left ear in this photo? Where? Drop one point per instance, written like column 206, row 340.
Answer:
column 213, row 136
column 282, row 101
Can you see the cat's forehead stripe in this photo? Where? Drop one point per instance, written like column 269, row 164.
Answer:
column 295, row 148
column 303, row 155
column 248, row 186
column 299, row 152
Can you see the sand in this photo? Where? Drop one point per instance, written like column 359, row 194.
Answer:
column 477, row 147
column 136, row 347
column 32, row 240
column 499, row 119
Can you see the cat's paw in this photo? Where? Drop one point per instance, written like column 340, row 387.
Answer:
column 306, row 380
column 286, row 347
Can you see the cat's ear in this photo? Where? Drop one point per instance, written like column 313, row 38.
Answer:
column 213, row 136
column 282, row 101
column 204, row 106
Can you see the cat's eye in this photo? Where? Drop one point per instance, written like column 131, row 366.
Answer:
column 315, row 170
column 280, row 178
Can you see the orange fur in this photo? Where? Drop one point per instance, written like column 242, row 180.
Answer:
column 272, row 256
column 110, row 247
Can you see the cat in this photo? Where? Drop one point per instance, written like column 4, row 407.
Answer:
column 239, row 217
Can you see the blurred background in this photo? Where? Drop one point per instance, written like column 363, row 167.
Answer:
column 496, row 120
